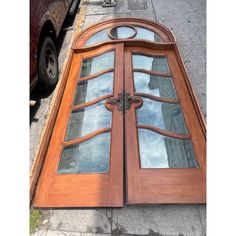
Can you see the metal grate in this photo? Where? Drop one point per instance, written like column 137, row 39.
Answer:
column 109, row 3
column 137, row 4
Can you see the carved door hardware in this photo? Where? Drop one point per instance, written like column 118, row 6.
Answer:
column 124, row 101
column 115, row 101
column 137, row 100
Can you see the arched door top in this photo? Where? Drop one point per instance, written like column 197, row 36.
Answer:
column 127, row 110
column 123, row 29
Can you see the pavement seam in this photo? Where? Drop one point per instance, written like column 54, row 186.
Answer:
column 200, row 220
column 79, row 232
column 114, row 13
column 153, row 9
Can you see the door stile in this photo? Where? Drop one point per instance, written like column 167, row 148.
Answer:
column 116, row 164
column 132, row 178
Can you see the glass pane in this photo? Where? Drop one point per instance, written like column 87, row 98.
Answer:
column 99, row 37
column 96, row 64
column 88, row 119
column 150, row 63
column 158, row 151
column 91, row 89
column 155, row 85
column 163, row 115
column 122, row 32
column 89, row 156
column 147, row 35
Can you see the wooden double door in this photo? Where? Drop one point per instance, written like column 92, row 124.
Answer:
column 127, row 132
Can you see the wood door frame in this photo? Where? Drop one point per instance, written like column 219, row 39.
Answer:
column 169, row 42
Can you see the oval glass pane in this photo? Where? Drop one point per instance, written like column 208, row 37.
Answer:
column 96, row 64
column 89, row 156
column 122, row 32
column 159, row 151
column 163, row 115
column 87, row 120
column 155, row 85
column 89, row 90
column 99, row 37
column 147, row 35
column 158, row 63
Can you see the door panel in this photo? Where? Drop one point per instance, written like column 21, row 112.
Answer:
column 165, row 146
column 85, row 154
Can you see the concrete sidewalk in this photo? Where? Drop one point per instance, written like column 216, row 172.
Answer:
column 187, row 20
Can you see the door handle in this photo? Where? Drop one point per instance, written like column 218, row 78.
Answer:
column 123, row 102
column 110, row 102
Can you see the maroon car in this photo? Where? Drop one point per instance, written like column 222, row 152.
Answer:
column 46, row 19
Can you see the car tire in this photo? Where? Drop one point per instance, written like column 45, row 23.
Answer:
column 48, row 64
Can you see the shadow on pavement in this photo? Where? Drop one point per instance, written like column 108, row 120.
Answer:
column 38, row 93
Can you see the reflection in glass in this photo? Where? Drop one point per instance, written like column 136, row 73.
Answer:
column 99, row 37
column 147, row 35
column 89, row 90
column 122, row 32
column 89, row 156
column 96, row 64
column 158, row 151
column 155, row 85
column 150, row 63
column 163, row 115
column 88, row 119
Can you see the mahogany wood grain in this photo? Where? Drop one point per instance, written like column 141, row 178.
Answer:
column 86, row 137
column 40, row 155
column 161, row 30
column 83, row 190
column 76, row 107
column 122, row 25
column 163, row 74
column 164, row 132
column 160, row 99
column 164, row 186
column 95, row 75
column 143, row 186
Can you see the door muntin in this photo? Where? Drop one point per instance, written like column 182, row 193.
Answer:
column 89, row 154
column 160, row 118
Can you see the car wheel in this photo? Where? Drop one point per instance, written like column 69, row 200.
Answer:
column 48, row 64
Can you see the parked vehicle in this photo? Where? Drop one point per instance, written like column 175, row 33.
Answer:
column 46, row 19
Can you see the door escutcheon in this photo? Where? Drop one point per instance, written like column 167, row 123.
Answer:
column 137, row 100
column 110, row 102
column 123, row 102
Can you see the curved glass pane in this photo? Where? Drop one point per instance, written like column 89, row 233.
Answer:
column 96, row 64
column 122, row 32
column 87, row 120
column 159, row 151
column 155, row 85
column 163, row 115
column 91, row 89
column 89, row 156
column 99, row 37
column 147, row 35
column 158, row 63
